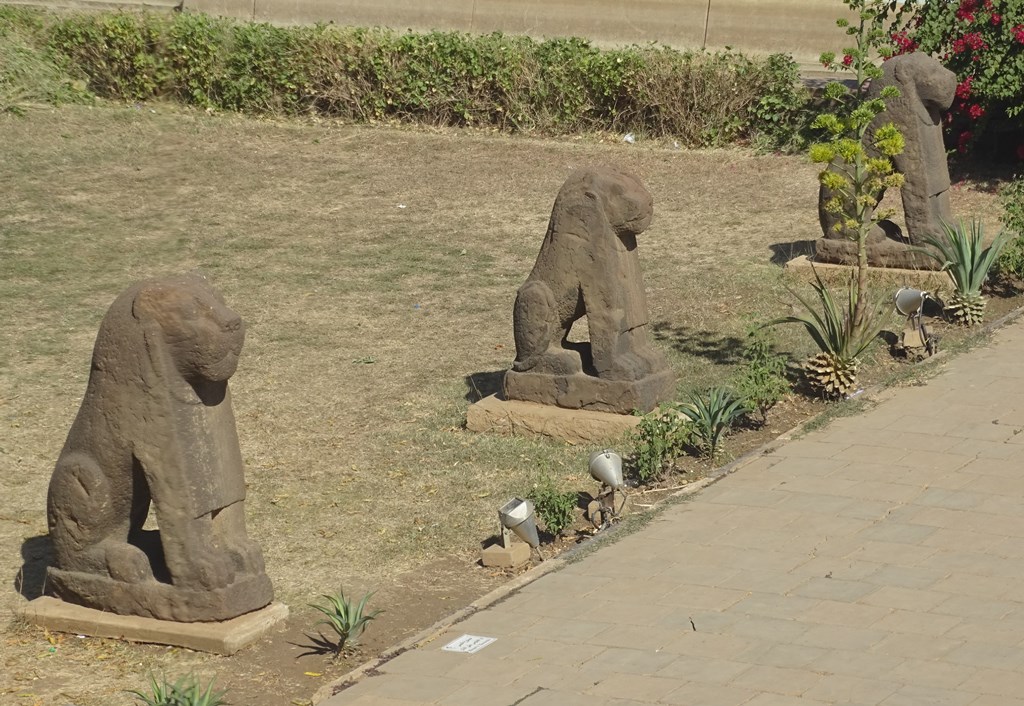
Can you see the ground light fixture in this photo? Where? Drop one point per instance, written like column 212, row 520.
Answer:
column 514, row 517
column 517, row 515
column 606, row 469
column 915, row 340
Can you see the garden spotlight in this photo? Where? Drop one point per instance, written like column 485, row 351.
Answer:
column 517, row 515
column 606, row 468
column 915, row 341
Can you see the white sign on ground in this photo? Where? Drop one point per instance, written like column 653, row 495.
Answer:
column 468, row 644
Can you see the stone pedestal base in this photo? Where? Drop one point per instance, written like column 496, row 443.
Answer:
column 576, row 426
column 883, row 253
column 514, row 556
column 161, row 601
column 586, row 392
column 223, row 637
column 928, row 280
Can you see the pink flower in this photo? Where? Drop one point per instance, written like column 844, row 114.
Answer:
column 996, row 18
column 903, row 44
column 847, row 60
column 975, row 111
column 1018, row 33
column 963, row 89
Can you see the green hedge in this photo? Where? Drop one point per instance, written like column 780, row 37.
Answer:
column 440, row 78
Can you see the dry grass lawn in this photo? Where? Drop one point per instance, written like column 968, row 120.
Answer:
column 376, row 270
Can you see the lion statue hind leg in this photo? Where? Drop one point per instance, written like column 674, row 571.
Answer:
column 539, row 333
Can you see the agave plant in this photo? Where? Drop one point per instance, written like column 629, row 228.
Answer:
column 186, row 691
column 713, row 414
column 960, row 252
column 346, row 619
column 838, row 335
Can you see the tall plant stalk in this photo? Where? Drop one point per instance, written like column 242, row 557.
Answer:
column 857, row 173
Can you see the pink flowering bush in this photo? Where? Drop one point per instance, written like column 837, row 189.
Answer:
column 982, row 41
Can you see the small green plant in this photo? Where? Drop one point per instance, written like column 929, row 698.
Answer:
column 962, row 256
column 658, row 439
column 713, row 414
column 555, row 508
column 762, row 380
column 348, row 620
column 1010, row 262
column 832, row 373
column 186, row 691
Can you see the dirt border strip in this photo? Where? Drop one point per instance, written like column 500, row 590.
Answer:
column 428, row 635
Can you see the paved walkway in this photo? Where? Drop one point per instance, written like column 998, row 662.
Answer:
column 877, row 561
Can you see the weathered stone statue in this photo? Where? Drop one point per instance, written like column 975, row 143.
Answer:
column 926, row 91
column 156, row 426
column 588, row 264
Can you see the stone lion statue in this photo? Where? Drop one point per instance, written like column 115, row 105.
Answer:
column 588, row 265
column 926, row 89
column 156, row 427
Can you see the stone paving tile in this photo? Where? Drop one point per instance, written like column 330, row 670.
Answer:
column 910, row 621
column 639, row 636
column 898, row 597
column 1008, row 632
column 777, row 680
column 781, row 700
column 764, row 580
column 993, row 655
column 998, row 682
column 498, row 672
column 841, row 613
column 898, row 532
column 646, row 689
column 906, row 577
column 914, row 646
column 703, row 670
column 772, row 654
column 710, row 645
column 935, row 673
column 708, row 695
column 485, row 695
column 990, row 700
column 834, row 589
column 854, row 663
column 930, row 696
column 846, row 689
column 843, row 637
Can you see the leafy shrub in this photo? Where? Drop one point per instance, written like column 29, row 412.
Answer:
column 981, row 42
column 555, row 508
column 713, row 413
column 348, row 620
column 762, row 379
column 659, row 438
column 440, row 78
column 186, row 691
column 1010, row 262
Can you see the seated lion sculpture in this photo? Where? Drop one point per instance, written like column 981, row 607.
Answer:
column 156, row 427
column 588, row 265
column 926, row 90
